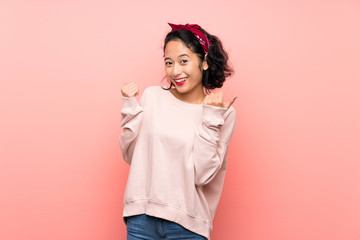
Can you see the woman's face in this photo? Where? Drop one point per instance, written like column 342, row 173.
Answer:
column 182, row 67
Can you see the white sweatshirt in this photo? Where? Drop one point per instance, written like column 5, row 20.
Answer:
column 177, row 153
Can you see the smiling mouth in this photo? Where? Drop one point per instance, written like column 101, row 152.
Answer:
column 180, row 81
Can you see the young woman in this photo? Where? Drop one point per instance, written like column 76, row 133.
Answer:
column 176, row 140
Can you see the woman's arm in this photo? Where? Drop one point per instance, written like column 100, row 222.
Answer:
column 131, row 117
column 211, row 141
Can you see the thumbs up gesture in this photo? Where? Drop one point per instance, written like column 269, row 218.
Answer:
column 130, row 90
column 217, row 100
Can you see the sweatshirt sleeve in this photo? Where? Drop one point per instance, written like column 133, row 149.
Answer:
column 131, row 117
column 211, row 141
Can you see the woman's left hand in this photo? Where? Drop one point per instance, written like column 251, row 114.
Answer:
column 217, row 100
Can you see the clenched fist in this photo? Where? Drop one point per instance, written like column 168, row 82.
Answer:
column 217, row 100
column 130, row 90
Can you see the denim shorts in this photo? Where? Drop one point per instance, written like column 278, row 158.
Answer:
column 147, row 227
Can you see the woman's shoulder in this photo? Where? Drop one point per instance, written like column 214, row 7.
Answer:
column 154, row 90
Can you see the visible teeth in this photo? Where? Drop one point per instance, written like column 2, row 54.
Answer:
column 180, row 80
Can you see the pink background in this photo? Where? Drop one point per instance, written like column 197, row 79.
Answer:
column 293, row 170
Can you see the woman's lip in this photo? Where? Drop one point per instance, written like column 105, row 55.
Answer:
column 180, row 83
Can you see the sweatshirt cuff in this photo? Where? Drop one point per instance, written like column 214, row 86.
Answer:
column 130, row 104
column 212, row 115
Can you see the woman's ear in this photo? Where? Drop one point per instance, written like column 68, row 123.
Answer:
column 205, row 66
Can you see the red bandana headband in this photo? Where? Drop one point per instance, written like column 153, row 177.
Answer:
column 205, row 43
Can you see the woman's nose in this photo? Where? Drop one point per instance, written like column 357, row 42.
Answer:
column 177, row 69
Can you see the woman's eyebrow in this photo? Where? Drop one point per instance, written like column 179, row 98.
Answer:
column 178, row 57
column 184, row 55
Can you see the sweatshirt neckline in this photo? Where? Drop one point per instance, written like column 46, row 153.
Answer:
column 175, row 99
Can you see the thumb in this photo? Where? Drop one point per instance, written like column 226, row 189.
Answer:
column 227, row 105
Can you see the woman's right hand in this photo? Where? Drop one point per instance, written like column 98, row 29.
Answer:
column 130, row 90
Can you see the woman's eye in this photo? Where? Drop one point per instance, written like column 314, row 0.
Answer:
column 167, row 63
column 184, row 61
